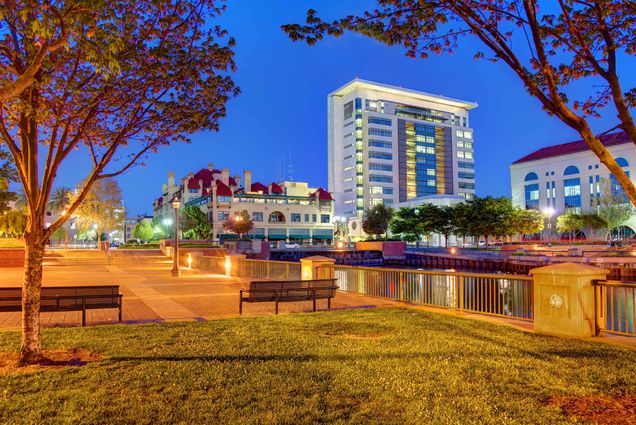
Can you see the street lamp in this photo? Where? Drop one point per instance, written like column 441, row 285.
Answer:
column 176, row 204
column 549, row 212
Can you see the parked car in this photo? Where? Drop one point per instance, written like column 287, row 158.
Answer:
column 292, row 245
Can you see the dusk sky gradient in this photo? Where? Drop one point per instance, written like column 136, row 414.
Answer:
column 282, row 109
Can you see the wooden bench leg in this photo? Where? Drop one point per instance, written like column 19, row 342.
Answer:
column 240, row 305
column 120, row 308
column 84, row 316
column 276, row 307
column 314, row 301
column 328, row 303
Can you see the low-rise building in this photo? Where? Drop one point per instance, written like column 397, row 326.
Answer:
column 567, row 177
column 285, row 211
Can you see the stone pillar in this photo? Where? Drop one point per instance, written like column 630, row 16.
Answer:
column 231, row 263
column 564, row 299
column 312, row 267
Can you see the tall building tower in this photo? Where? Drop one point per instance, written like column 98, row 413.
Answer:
column 388, row 145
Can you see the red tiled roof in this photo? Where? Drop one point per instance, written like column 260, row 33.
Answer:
column 222, row 189
column 259, row 187
column 276, row 188
column 205, row 175
column 322, row 194
column 160, row 200
column 612, row 139
column 193, row 183
column 205, row 192
column 232, row 181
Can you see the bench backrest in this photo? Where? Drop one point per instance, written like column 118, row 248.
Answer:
column 56, row 298
column 292, row 289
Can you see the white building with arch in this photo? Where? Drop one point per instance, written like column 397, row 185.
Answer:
column 567, row 177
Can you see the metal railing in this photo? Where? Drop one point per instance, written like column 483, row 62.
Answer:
column 266, row 269
column 501, row 295
column 615, row 305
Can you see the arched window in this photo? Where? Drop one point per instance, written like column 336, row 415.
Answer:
column 571, row 170
column 276, row 217
column 622, row 162
column 531, row 176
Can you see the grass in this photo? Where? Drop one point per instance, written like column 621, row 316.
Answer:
column 11, row 243
column 364, row 366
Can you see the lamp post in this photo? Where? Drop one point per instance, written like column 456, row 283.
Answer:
column 549, row 212
column 176, row 204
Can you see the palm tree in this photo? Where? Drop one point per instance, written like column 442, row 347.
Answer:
column 59, row 200
column 58, row 203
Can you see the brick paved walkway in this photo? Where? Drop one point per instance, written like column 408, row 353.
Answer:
column 151, row 294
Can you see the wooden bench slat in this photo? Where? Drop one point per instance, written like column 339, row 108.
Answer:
column 287, row 291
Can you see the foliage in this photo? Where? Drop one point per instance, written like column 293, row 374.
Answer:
column 60, row 200
column 408, row 223
column 569, row 223
column 7, row 175
column 612, row 206
column 143, row 231
column 11, row 243
column 195, row 224
column 102, row 209
column 139, row 246
column 526, row 222
column 12, row 223
column 240, row 223
column 204, row 371
column 59, row 234
column 376, row 220
column 550, row 48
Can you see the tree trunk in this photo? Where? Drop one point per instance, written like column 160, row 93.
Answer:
column 31, row 349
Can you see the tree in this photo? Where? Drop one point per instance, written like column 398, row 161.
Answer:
column 569, row 223
column 582, row 42
column 526, row 222
column 442, row 221
column 612, row 206
column 60, row 200
column 240, row 223
column 102, row 208
column 132, row 77
column 143, row 231
column 12, row 223
column 408, row 223
column 376, row 220
column 59, row 234
column 195, row 224
column 7, row 175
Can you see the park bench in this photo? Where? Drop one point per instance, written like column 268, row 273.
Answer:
column 66, row 298
column 289, row 290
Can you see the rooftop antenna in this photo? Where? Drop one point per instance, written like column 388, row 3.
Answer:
column 290, row 168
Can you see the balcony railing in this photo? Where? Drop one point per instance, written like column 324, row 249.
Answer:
column 615, row 305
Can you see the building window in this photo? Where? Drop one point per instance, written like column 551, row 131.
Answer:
column 295, row 218
column 348, row 124
column 380, row 132
column 223, row 215
column 380, row 167
column 380, row 155
column 531, row 177
column 380, row 144
column 468, row 135
column 425, row 149
column 324, row 218
column 348, row 110
column 532, row 196
column 464, row 185
column 380, row 179
column 570, row 170
column 193, row 190
column 348, row 157
column 572, row 193
column 257, row 216
column 380, row 121
column 306, row 218
column 313, row 218
column 276, row 217
column 469, row 165
column 465, row 175
column 381, row 190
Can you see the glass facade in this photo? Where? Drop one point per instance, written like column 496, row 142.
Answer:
column 532, row 196
column 572, row 194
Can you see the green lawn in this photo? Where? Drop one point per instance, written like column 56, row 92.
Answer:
column 362, row 366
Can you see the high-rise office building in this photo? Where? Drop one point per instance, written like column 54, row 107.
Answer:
column 388, row 145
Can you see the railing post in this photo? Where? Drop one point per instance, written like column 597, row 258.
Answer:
column 598, row 307
column 460, row 293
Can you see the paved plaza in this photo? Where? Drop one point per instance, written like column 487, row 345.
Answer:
column 151, row 294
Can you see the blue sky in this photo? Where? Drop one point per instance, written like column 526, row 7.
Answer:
column 282, row 110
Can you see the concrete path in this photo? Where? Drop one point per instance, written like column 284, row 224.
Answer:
column 152, row 295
